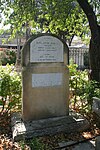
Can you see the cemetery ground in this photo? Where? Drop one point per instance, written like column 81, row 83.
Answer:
column 80, row 101
column 58, row 141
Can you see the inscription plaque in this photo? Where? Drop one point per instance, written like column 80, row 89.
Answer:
column 46, row 49
column 44, row 80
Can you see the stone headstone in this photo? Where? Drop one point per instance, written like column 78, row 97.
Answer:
column 45, row 78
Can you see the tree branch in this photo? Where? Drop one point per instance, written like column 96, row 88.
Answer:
column 91, row 17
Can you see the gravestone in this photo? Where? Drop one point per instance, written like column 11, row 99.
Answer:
column 45, row 81
column 45, row 78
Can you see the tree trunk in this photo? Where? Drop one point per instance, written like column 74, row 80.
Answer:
column 28, row 31
column 94, row 49
column 95, row 57
column 18, row 59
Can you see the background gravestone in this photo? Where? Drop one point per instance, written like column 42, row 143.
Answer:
column 45, row 78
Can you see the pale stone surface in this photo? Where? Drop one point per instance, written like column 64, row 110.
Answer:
column 57, row 52
column 45, row 102
column 45, row 84
column 46, row 49
column 46, row 79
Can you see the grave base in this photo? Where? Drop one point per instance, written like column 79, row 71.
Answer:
column 51, row 126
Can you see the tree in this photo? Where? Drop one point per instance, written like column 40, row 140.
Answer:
column 94, row 49
column 63, row 17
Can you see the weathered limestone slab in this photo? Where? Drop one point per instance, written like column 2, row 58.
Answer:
column 50, row 126
column 45, row 78
column 44, row 48
column 96, row 110
column 96, row 106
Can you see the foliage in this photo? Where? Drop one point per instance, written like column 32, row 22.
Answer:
column 82, row 90
column 7, row 56
column 64, row 18
column 10, row 89
column 34, row 143
column 64, row 22
column 96, row 6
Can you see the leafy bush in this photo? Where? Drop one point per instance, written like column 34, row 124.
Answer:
column 10, row 89
column 7, row 56
column 82, row 90
column 34, row 144
column 2, row 55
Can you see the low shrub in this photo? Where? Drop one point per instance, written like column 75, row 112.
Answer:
column 82, row 90
column 8, row 56
column 10, row 89
column 34, row 144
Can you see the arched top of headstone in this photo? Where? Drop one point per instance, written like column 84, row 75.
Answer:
column 44, row 48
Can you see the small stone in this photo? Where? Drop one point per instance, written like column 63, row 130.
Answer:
column 97, row 143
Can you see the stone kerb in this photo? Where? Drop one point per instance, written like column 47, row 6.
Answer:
column 45, row 78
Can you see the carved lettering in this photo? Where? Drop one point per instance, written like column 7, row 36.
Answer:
column 46, row 49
